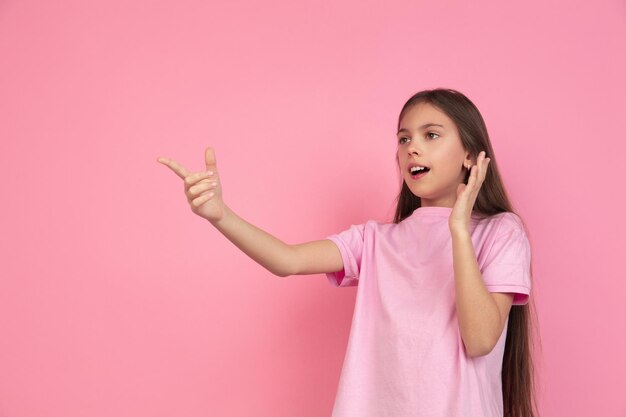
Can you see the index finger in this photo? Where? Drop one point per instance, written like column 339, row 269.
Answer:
column 174, row 166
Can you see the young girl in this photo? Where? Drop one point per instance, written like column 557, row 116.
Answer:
column 441, row 325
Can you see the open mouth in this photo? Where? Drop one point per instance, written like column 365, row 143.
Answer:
column 418, row 173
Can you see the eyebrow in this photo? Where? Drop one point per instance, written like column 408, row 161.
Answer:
column 422, row 127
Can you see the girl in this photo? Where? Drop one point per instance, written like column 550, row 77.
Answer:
column 441, row 324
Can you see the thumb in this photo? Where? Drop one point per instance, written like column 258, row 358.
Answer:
column 459, row 189
column 209, row 159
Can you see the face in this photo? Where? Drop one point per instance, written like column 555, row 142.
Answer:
column 436, row 147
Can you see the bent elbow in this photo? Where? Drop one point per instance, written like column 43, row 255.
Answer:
column 479, row 350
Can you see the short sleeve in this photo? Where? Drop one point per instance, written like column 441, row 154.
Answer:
column 507, row 266
column 350, row 244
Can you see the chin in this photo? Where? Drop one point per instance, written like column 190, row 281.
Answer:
column 415, row 193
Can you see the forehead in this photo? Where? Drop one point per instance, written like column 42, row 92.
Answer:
column 422, row 113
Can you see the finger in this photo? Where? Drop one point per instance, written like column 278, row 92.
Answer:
column 202, row 199
column 484, row 162
column 180, row 170
column 485, row 168
column 209, row 159
column 473, row 179
column 191, row 179
column 469, row 192
column 480, row 176
column 480, row 159
column 187, row 188
column 201, row 187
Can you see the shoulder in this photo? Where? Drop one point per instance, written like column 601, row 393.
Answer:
column 374, row 228
column 503, row 223
column 510, row 222
column 361, row 228
column 374, row 224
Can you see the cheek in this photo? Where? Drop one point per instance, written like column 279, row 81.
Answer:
column 400, row 162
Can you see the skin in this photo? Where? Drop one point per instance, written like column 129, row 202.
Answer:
column 438, row 148
column 201, row 187
column 481, row 314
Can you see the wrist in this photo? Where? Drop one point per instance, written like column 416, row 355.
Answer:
column 226, row 212
column 460, row 232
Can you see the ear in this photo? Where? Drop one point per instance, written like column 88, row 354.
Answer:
column 468, row 159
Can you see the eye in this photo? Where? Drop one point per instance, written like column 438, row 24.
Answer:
column 401, row 140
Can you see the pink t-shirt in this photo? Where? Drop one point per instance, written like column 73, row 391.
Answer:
column 405, row 355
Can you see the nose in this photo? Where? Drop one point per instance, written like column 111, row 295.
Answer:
column 414, row 147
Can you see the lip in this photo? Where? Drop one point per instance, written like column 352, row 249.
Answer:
column 420, row 175
column 415, row 164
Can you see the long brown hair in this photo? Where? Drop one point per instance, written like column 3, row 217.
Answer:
column 518, row 376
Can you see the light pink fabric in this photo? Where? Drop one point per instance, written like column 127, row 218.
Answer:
column 405, row 356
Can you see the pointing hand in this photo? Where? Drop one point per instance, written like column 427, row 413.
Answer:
column 203, row 189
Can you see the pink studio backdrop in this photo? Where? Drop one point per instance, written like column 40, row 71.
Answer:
column 116, row 300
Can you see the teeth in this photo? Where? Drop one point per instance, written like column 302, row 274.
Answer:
column 416, row 169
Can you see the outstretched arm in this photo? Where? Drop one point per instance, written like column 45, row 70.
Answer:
column 276, row 256
column 204, row 195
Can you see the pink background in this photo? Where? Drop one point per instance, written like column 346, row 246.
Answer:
column 116, row 300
